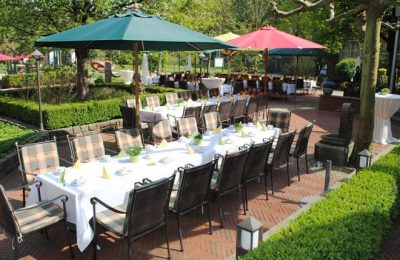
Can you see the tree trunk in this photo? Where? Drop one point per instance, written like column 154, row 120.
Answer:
column 82, row 81
column 370, row 63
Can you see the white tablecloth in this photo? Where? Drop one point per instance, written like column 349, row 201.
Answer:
column 310, row 84
column 385, row 107
column 224, row 88
column 127, row 76
column 213, row 82
column 289, row 88
column 114, row 191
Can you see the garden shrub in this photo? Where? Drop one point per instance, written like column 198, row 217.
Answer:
column 345, row 69
column 349, row 224
column 9, row 134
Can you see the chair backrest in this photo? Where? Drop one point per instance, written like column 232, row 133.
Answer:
column 213, row 92
column 128, row 116
column 153, row 101
column 279, row 119
column 257, row 159
column 225, row 110
column 209, row 108
column 193, row 112
column 127, row 138
column 187, row 126
column 171, row 98
column 38, row 158
column 239, row 108
column 302, row 140
column 194, row 186
column 232, row 169
column 161, row 130
column 148, row 206
column 252, row 107
column 87, row 148
column 132, row 103
column 185, row 95
column 201, row 93
column 262, row 101
column 282, row 149
column 211, row 121
column 7, row 219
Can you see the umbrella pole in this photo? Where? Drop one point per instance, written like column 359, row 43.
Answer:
column 137, row 83
column 265, row 70
column 229, row 66
column 159, row 64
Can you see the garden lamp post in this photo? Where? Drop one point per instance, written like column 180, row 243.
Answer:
column 202, row 57
column 37, row 55
column 248, row 235
column 363, row 159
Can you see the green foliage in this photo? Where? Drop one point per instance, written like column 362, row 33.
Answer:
column 134, row 151
column 345, row 69
column 349, row 224
column 9, row 134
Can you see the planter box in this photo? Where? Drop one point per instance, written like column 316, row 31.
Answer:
column 334, row 103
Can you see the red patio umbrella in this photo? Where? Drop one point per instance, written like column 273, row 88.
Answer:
column 271, row 38
column 5, row 57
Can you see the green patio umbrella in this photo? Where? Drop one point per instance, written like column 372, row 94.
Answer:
column 135, row 31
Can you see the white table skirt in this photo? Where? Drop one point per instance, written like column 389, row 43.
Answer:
column 224, row 89
column 385, row 108
column 127, row 76
column 310, row 84
column 289, row 88
column 212, row 82
column 114, row 191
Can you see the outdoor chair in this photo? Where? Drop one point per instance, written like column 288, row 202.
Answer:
column 18, row 223
column 132, row 103
column 183, row 84
column 187, row 126
column 128, row 138
column 224, row 110
column 36, row 159
column 201, row 93
column 171, row 98
column 262, row 103
column 281, row 156
column 186, row 95
column 301, row 146
column 251, row 110
column 277, row 90
column 86, row 148
column 238, row 111
column 211, row 121
column 146, row 212
column 192, row 193
column 161, row 130
column 213, row 92
column 153, row 101
column 209, row 108
column 256, row 166
column 228, row 177
column 279, row 119
column 128, row 117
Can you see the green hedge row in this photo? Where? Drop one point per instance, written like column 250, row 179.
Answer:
column 9, row 134
column 68, row 114
column 349, row 224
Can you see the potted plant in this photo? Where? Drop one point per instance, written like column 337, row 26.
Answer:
column 385, row 91
column 238, row 127
column 197, row 139
column 134, row 153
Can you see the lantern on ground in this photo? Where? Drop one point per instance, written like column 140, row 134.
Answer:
column 249, row 235
column 364, row 159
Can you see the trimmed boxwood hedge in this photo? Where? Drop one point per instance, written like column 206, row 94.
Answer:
column 349, row 224
column 9, row 134
column 70, row 114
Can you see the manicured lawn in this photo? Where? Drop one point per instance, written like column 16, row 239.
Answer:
column 9, row 134
column 349, row 224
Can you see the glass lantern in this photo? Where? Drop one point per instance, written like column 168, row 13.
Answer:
column 364, row 159
column 249, row 235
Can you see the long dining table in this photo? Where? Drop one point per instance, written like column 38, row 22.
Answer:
column 89, row 180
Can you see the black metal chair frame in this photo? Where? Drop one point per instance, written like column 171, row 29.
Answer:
column 301, row 146
column 225, row 118
column 251, row 109
column 238, row 110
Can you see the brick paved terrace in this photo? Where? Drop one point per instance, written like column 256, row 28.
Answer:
column 198, row 243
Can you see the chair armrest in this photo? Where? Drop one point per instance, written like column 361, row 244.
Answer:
column 189, row 165
column 218, row 157
column 95, row 200
column 63, row 198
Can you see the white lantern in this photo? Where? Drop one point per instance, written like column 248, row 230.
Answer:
column 249, row 235
column 364, row 159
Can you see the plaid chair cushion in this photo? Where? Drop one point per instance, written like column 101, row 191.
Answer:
column 132, row 103
column 153, row 101
column 187, row 126
column 279, row 119
column 89, row 147
column 128, row 138
column 162, row 130
column 40, row 158
column 111, row 220
column 212, row 121
column 171, row 98
column 38, row 216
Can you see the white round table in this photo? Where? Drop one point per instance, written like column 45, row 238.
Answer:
column 212, row 82
column 385, row 107
column 310, row 84
column 127, row 76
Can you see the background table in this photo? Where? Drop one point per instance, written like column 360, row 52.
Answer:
column 385, row 107
column 213, row 82
column 310, row 84
column 289, row 88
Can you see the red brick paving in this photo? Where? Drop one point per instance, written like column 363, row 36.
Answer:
column 198, row 243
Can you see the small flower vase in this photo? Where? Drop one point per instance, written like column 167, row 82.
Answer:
column 134, row 159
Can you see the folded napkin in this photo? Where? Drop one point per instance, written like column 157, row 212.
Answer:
column 263, row 128
column 121, row 154
column 221, row 141
column 243, row 134
column 258, row 124
column 190, row 150
column 151, row 108
column 61, row 179
column 163, row 144
column 106, row 174
column 152, row 163
column 190, row 100
column 77, row 164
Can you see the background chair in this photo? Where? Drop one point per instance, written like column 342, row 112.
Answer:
column 186, row 95
column 224, row 110
column 238, row 111
column 171, row 98
column 281, row 156
column 211, row 121
column 153, row 101
column 128, row 138
column 251, row 110
column 86, row 148
column 128, row 117
column 161, row 130
column 279, row 119
column 262, row 103
column 187, row 126
column 17, row 223
column 301, row 146
column 147, row 211
column 193, row 192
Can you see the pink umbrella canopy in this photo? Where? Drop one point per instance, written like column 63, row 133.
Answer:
column 5, row 57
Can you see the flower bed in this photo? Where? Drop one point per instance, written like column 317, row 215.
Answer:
column 9, row 134
column 349, row 224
